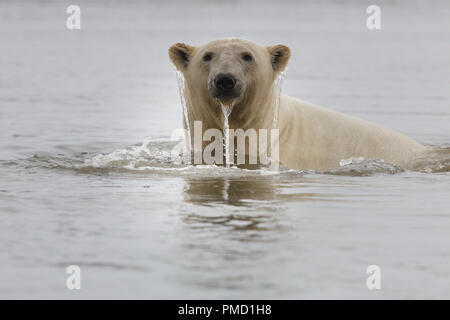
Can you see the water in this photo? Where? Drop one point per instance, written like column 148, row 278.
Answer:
column 89, row 173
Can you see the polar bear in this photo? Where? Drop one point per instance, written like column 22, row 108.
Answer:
column 240, row 73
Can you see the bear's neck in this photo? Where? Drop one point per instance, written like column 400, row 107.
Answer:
column 255, row 113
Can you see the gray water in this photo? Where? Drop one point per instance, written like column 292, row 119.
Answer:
column 86, row 176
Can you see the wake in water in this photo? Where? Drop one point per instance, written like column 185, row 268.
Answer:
column 166, row 157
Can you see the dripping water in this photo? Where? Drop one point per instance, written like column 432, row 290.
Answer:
column 187, row 131
column 276, row 110
column 226, row 110
column 277, row 86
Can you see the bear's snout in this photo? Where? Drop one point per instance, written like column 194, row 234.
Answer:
column 225, row 86
column 225, row 82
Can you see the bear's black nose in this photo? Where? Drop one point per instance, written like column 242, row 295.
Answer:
column 225, row 82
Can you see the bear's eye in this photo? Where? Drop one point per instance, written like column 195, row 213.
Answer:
column 247, row 57
column 207, row 57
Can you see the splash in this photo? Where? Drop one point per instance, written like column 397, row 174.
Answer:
column 349, row 161
column 149, row 153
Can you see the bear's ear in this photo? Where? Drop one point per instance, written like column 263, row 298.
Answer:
column 180, row 54
column 279, row 57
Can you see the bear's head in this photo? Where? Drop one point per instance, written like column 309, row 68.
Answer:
column 229, row 71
